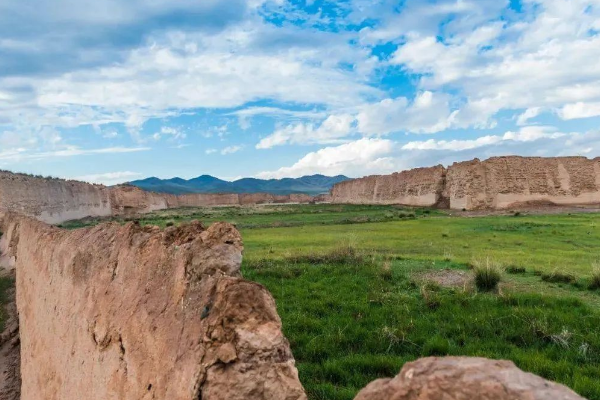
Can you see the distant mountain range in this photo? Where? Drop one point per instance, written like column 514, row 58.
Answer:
column 312, row 184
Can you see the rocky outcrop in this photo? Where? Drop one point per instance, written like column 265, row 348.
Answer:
column 55, row 200
column 417, row 187
column 496, row 183
column 130, row 312
column 464, row 378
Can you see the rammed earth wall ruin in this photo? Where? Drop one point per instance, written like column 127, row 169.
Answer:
column 56, row 200
column 496, row 183
column 129, row 312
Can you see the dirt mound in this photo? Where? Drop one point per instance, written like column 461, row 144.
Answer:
column 464, row 378
column 130, row 312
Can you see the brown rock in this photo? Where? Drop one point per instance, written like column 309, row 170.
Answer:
column 130, row 312
column 464, row 378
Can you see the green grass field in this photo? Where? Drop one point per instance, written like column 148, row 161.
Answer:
column 349, row 289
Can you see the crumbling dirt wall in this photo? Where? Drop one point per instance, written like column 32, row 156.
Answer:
column 125, row 312
column 504, row 182
column 417, row 187
column 496, row 183
column 56, row 200
column 52, row 200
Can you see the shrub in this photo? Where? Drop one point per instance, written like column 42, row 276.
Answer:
column 558, row 277
column 487, row 276
column 170, row 223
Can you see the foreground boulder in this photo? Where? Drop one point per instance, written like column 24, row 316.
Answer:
column 130, row 312
column 464, row 378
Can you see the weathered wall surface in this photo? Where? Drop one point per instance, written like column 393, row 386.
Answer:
column 125, row 312
column 52, row 200
column 496, row 183
column 56, row 200
column 502, row 182
column 416, row 187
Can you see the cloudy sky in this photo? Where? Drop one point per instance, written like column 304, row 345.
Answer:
column 114, row 90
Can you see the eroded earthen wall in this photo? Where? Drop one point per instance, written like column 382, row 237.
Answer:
column 496, row 183
column 416, row 187
column 125, row 312
column 504, row 182
column 56, row 200
column 52, row 200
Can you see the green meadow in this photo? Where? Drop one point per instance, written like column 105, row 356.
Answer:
column 355, row 292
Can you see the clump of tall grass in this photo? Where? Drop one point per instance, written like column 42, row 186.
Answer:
column 515, row 269
column 488, row 275
column 557, row 276
column 595, row 281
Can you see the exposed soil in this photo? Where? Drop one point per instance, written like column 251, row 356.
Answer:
column 10, row 353
column 447, row 277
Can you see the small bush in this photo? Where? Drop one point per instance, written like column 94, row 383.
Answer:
column 595, row 282
column 517, row 214
column 558, row 277
column 170, row 223
column 515, row 269
column 487, row 276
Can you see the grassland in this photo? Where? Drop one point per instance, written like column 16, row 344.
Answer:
column 349, row 286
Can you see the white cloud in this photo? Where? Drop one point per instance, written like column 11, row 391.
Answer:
column 70, row 151
column 331, row 130
column 231, row 150
column 579, row 110
column 356, row 158
column 109, row 178
column 210, row 151
column 528, row 114
column 428, row 113
column 545, row 62
column 173, row 133
column 525, row 134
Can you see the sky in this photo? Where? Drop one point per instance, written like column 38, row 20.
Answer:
column 111, row 91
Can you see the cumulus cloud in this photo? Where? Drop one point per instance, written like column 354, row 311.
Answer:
column 428, row 113
column 522, row 65
column 356, row 158
column 331, row 130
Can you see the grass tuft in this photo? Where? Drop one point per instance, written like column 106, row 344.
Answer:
column 515, row 269
column 487, row 275
column 558, row 277
column 595, row 281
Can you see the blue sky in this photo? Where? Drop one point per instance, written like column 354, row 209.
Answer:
column 110, row 91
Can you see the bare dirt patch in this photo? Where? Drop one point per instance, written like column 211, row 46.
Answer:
column 447, row 277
